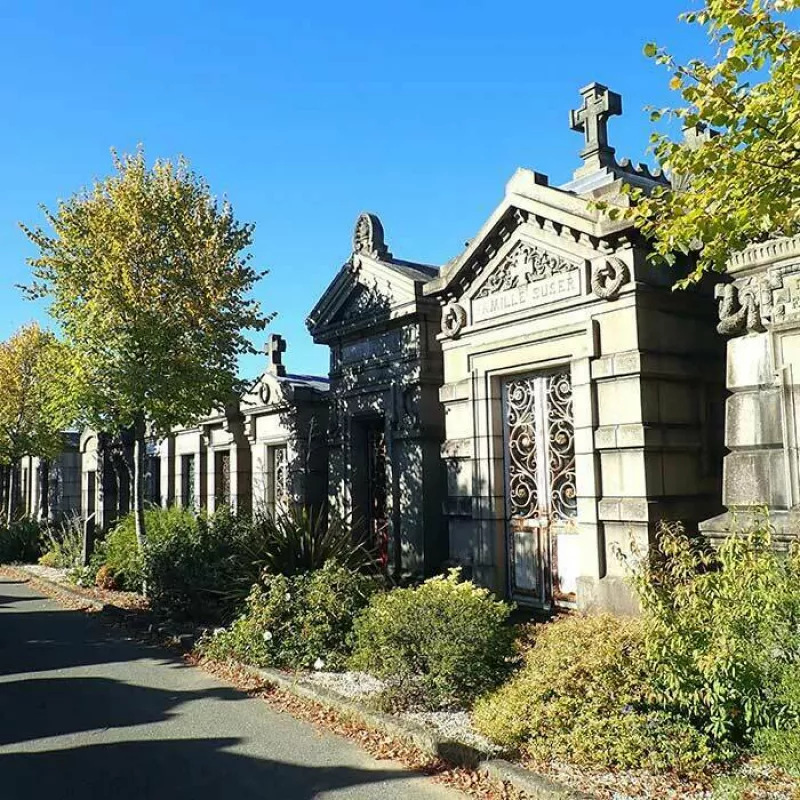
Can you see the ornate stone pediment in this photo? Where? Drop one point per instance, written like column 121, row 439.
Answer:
column 366, row 301
column 526, row 277
column 524, row 264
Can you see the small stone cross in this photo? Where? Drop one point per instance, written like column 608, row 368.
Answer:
column 276, row 347
column 599, row 104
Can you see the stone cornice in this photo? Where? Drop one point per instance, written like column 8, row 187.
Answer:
column 764, row 254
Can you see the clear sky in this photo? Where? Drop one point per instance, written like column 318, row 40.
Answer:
column 306, row 113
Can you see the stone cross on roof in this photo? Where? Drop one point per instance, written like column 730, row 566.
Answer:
column 276, row 347
column 599, row 104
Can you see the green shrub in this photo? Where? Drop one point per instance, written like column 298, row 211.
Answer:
column 296, row 622
column 121, row 554
column 439, row 645
column 781, row 745
column 51, row 558
column 780, row 748
column 185, row 562
column 21, row 543
column 582, row 697
column 720, row 629
column 64, row 545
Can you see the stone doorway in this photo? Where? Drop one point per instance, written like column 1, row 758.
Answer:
column 540, row 489
column 371, row 485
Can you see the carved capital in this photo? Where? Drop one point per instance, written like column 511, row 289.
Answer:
column 608, row 277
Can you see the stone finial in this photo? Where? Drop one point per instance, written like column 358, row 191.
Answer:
column 591, row 119
column 368, row 237
column 695, row 136
column 276, row 347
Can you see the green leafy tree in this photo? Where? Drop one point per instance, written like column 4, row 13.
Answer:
column 149, row 277
column 742, row 185
column 34, row 403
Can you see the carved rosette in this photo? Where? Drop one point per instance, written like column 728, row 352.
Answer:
column 454, row 318
column 608, row 277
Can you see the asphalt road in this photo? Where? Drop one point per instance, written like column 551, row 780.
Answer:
column 88, row 713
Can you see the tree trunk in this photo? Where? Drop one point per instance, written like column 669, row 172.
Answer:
column 138, row 479
column 12, row 490
column 44, row 490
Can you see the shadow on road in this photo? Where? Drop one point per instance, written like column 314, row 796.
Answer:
column 148, row 764
column 193, row 769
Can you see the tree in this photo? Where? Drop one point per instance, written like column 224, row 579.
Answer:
column 34, row 407
column 148, row 277
column 742, row 185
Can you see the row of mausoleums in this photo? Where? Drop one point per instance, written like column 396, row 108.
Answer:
column 524, row 410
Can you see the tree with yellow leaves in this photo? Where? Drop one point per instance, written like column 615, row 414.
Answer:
column 740, row 183
column 34, row 400
column 148, row 276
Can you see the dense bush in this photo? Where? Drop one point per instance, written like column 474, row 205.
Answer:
column 780, row 745
column 297, row 622
column 64, row 544
column 188, row 562
column 22, row 542
column 119, row 551
column 582, row 696
column 720, row 630
column 204, row 566
column 438, row 645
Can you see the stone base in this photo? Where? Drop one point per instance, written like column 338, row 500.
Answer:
column 785, row 525
column 610, row 594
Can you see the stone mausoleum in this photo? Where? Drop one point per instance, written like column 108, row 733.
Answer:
column 579, row 398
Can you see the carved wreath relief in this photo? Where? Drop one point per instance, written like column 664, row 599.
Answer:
column 608, row 277
column 454, row 317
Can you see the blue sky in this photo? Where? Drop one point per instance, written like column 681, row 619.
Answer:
column 305, row 114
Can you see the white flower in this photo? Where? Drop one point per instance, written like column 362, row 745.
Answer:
column 218, row 631
column 319, row 664
column 288, row 596
column 267, row 636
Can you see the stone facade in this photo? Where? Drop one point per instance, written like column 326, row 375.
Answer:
column 268, row 444
column 50, row 490
column 760, row 312
column 386, row 423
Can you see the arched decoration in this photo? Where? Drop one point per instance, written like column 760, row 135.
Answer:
column 368, row 237
column 608, row 277
column 454, row 318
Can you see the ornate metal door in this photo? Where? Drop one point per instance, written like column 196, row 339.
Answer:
column 377, row 504
column 541, row 502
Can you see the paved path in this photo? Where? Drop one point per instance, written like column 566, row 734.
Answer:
column 87, row 713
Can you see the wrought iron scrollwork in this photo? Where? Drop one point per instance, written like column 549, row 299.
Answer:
column 522, row 443
column 561, row 446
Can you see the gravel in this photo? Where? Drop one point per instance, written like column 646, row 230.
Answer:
column 355, row 685
column 453, row 725
column 49, row 573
